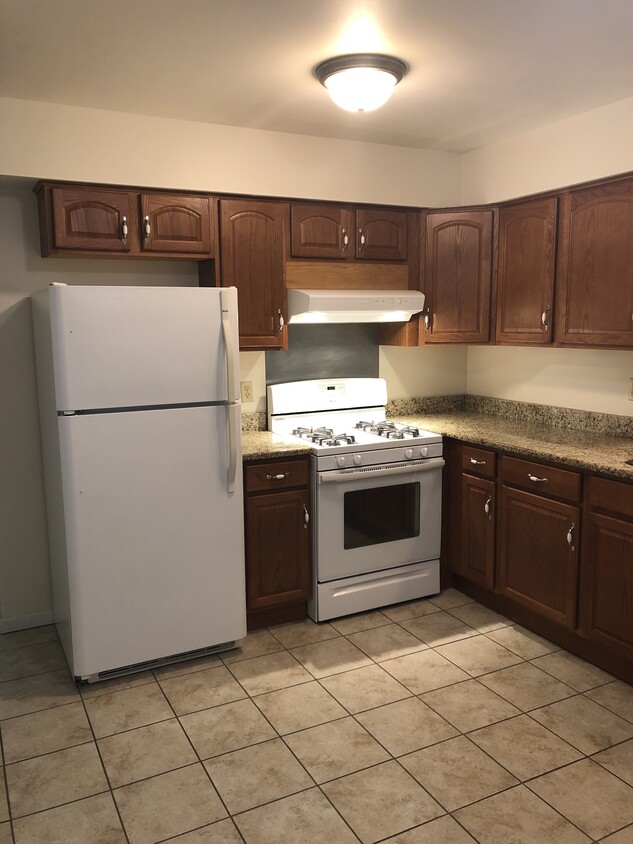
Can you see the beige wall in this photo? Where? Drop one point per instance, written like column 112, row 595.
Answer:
column 430, row 371
column 61, row 142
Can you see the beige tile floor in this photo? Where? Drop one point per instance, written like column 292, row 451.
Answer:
column 433, row 722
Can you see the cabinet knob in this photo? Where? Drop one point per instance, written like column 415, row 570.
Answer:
column 306, row 517
column 281, row 321
column 124, row 231
column 487, row 507
column 147, row 229
column 345, row 240
column 362, row 238
column 570, row 536
column 427, row 319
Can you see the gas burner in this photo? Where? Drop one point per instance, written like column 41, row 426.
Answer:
column 365, row 426
column 328, row 437
column 302, row 432
column 391, row 434
column 408, row 430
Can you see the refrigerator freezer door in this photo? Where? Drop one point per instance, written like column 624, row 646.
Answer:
column 120, row 347
column 155, row 542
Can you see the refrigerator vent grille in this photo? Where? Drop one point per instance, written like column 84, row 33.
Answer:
column 157, row 663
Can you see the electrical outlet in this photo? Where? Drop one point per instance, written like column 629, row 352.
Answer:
column 246, row 390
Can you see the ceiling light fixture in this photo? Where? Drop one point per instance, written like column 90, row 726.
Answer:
column 360, row 81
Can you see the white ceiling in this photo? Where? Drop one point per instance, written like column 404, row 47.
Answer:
column 480, row 70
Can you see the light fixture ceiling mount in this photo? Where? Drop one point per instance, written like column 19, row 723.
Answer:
column 360, row 81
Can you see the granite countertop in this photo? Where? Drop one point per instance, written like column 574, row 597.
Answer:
column 597, row 452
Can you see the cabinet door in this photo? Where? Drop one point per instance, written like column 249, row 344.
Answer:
column 595, row 260
column 84, row 218
column 478, row 530
column 252, row 259
column 538, row 556
column 381, row 235
column 609, row 559
column 277, row 549
column 172, row 223
column 457, row 277
column 525, row 291
column 320, row 231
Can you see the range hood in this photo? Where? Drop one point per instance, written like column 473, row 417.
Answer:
column 327, row 306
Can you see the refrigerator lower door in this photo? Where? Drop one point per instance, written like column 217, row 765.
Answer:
column 154, row 540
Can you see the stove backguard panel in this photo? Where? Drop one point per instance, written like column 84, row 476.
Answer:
column 325, row 351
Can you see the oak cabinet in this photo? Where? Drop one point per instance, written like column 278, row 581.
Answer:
column 80, row 220
column 277, row 532
column 595, row 266
column 176, row 223
column 608, row 560
column 252, row 259
column 344, row 233
column 538, row 538
column 478, row 530
column 525, row 281
column 457, row 276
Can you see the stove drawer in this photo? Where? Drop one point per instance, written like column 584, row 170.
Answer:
column 265, row 477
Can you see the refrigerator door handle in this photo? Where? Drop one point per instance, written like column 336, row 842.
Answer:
column 226, row 295
column 234, row 421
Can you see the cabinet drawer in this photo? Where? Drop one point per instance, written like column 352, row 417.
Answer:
column 264, row 477
column 611, row 495
column 478, row 461
column 543, row 480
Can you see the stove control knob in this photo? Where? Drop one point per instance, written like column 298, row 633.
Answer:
column 408, row 453
column 424, row 451
column 358, row 459
column 340, row 461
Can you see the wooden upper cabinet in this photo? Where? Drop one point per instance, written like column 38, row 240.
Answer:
column 525, row 286
column 457, row 276
column 252, row 259
column 320, row 231
column 90, row 219
column 176, row 223
column 344, row 233
column 595, row 266
column 381, row 235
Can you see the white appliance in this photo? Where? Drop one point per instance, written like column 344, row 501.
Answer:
column 377, row 494
column 140, row 421
column 333, row 306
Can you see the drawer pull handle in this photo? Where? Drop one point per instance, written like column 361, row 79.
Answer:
column 487, row 509
column 477, row 462
column 279, row 477
column 536, row 480
column 124, row 231
column 147, row 230
column 306, row 517
column 570, row 536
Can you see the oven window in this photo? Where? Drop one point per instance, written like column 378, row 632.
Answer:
column 381, row 514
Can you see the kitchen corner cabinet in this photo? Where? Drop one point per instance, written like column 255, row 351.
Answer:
column 594, row 272
column 344, row 233
column 538, row 542
column 278, row 540
column 457, row 276
column 252, row 259
column 525, row 280
column 83, row 220
column 607, row 594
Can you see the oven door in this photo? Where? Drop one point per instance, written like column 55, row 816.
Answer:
column 377, row 518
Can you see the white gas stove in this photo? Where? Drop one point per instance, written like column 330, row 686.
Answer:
column 376, row 493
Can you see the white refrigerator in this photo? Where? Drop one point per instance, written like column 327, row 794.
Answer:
column 140, row 421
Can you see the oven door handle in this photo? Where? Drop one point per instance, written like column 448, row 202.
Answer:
column 344, row 476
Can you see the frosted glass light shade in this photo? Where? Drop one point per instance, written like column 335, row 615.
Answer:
column 360, row 81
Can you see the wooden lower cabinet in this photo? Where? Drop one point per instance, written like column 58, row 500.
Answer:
column 538, row 554
column 478, row 530
column 608, row 564
column 278, row 541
